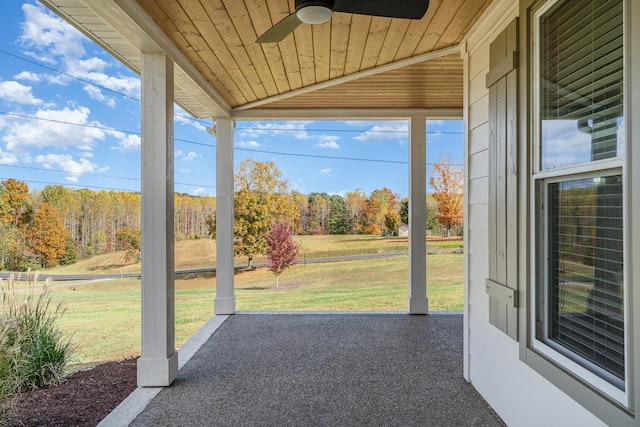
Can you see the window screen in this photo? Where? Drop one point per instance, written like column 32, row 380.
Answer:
column 586, row 272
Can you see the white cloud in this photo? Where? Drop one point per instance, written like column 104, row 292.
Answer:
column 129, row 86
column 28, row 76
column 52, row 40
column 328, row 141
column 7, row 158
column 86, row 66
column 56, row 79
column 95, row 93
column 191, row 156
column 328, row 144
column 199, row 192
column 18, row 93
column 325, row 172
column 51, row 35
column 126, row 142
column 73, row 168
column 248, row 144
column 54, row 128
column 296, row 129
column 396, row 130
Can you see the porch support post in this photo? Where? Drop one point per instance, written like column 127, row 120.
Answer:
column 417, row 300
column 225, row 302
column 158, row 364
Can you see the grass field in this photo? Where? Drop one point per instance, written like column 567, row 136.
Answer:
column 105, row 316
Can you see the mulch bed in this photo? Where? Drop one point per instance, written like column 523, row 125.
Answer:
column 83, row 399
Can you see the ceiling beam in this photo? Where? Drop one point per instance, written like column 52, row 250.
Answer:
column 347, row 114
column 351, row 77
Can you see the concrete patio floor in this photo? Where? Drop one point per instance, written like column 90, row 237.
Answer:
column 334, row 369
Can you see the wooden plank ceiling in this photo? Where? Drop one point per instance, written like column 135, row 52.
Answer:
column 218, row 38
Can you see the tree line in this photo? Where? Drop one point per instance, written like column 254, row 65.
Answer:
column 262, row 198
column 59, row 225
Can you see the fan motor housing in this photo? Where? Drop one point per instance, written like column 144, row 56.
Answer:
column 314, row 11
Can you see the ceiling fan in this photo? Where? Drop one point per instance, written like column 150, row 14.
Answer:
column 320, row 11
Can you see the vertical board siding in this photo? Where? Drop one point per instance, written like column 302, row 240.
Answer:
column 503, row 220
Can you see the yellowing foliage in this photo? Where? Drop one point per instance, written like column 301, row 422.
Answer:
column 447, row 184
column 47, row 235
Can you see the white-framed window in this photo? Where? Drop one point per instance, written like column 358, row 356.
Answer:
column 579, row 292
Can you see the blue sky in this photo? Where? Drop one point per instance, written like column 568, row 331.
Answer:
column 70, row 115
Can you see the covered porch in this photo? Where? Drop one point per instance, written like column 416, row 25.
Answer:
column 474, row 60
column 317, row 369
column 203, row 56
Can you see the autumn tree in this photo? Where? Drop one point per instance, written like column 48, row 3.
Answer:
column 258, row 203
column 282, row 251
column 15, row 203
column 250, row 226
column 447, row 183
column 372, row 216
column 11, row 242
column 130, row 241
column 300, row 224
column 392, row 221
column 355, row 202
column 47, row 236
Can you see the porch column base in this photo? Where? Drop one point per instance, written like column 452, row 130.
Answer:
column 418, row 305
column 157, row 372
column 224, row 305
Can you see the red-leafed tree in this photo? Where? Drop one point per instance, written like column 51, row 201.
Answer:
column 282, row 251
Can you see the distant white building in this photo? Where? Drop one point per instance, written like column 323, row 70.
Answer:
column 403, row 230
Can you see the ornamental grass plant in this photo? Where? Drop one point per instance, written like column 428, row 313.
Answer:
column 33, row 350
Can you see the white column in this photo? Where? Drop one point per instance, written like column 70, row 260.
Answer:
column 417, row 300
column 158, row 364
column 225, row 302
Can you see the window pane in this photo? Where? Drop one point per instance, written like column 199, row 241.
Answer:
column 581, row 82
column 586, row 272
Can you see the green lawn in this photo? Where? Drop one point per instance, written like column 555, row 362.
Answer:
column 104, row 317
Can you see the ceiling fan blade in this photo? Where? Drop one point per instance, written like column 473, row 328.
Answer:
column 281, row 30
column 408, row 9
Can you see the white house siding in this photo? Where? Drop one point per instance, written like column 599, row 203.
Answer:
column 519, row 395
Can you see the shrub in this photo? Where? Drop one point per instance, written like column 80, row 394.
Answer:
column 33, row 350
